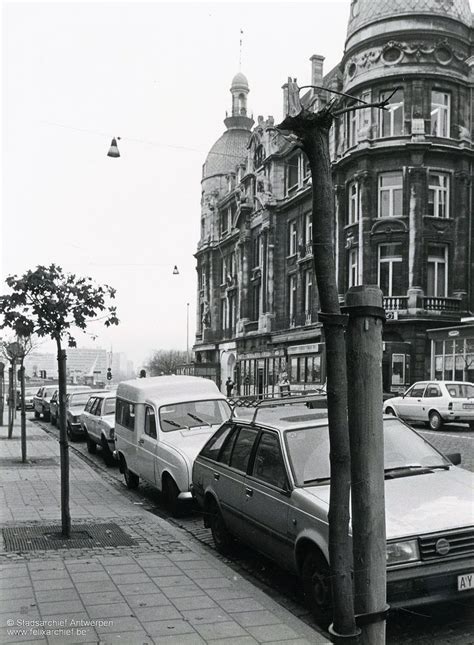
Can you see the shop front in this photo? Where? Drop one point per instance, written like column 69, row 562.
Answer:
column 452, row 353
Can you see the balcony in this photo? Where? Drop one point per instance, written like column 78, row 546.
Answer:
column 395, row 303
column 251, row 325
column 434, row 303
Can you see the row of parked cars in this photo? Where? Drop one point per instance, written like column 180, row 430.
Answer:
column 90, row 415
column 262, row 476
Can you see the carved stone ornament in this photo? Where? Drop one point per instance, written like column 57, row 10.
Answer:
column 387, row 227
column 394, row 52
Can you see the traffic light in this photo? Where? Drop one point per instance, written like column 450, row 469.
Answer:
column 109, row 373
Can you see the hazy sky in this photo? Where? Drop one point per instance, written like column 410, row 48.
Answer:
column 158, row 75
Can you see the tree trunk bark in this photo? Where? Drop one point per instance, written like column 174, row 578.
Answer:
column 316, row 147
column 23, row 412
column 11, row 400
column 63, row 443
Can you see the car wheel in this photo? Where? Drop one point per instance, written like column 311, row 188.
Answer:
column 170, row 494
column 91, row 445
column 131, row 480
column 435, row 422
column 223, row 540
column 471, row 425
column 317, row 588
column 390, row 411
column 70, row 434
column 53, row 421
column 106, row 454
column 46, row 416
column 37, row 414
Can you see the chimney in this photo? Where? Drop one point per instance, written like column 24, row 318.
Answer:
column 317, row 70
column 285, row 99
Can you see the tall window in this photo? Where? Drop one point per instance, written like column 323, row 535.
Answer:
column 353, row 266
column 292, row 300
column 256, row 301
column 391, row 119
column 308, row 295
column 292, row 239
column 231, row 312
column 390, row 269
column 440, row 113
column 292, row 173
column 256, row 251
column 353, row 214
column 223, row 269
column 390, row 194
column 352, row 127
column 438, row 194
column 437, row 271
column 308, row 228
column 223, row 313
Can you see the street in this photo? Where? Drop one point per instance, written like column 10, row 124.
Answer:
column 450, row 623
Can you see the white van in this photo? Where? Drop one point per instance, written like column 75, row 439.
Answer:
column 161, row 423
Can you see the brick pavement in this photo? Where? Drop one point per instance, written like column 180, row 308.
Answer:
column 165, row 589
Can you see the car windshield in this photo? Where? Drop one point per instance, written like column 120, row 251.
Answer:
column 192, row 414
column 460, row 390
column 109, row 407
column 50, row 390
column 308, row 451
column 78, row 400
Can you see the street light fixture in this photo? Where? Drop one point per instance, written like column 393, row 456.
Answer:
column 175, row 270
column 113, row 150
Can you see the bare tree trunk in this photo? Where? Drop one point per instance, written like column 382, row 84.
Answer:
column 11, row 400
column 2, row 391
column 23, row 411
column 312, row 131
column 63, row 443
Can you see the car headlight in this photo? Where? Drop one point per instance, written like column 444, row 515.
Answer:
column 401, row 552
column 75, row 419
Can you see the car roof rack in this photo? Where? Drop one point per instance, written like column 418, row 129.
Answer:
column 278, row 402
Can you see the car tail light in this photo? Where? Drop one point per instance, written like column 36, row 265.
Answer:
column 450, row 405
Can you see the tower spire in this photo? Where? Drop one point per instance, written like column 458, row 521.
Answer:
column 240, row 49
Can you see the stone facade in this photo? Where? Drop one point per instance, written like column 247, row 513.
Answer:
column 403, row 206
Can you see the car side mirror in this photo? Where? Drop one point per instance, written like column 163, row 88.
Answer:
column 454, row 458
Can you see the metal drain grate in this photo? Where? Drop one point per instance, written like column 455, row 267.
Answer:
column 40, row 538
column 43, row 462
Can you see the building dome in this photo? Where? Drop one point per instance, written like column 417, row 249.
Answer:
column 240, row 82
column 227, row 152
column 365, row 12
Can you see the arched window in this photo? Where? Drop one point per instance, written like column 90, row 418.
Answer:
column 259, row 156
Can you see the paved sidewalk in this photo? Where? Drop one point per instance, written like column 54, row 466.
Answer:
column 165, row 588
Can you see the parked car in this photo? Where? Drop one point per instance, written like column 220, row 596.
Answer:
column 75, row 404
column 435, row 403
column 54, row 403
column 98, row 424
column 161, row 424
column 265, row 480
column 29, row 398
column 41, row 401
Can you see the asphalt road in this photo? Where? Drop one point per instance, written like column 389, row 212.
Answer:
column 446, row 624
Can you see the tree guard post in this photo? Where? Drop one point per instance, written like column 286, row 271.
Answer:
column 63, row 443
column 364, row 372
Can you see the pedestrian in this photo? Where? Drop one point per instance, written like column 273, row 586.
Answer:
column 142, row 374
column 229, row 386
column 284, row 386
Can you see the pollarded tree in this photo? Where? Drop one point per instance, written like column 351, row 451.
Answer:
column 165, row 361
column 50, row 303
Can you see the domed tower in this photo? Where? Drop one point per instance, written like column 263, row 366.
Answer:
column 226, row 159
column 404, row 174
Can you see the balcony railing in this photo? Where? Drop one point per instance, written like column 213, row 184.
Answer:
column 434, row 303
column 252, row 325
column 395, row 303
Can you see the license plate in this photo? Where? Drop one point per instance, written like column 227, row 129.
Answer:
column 466, row 582
column 468, row 406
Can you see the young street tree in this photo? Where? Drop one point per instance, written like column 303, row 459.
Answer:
column 165, row 361
column 50, row 303
column 309, row 129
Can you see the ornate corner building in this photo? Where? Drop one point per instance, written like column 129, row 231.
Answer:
column 403, row 195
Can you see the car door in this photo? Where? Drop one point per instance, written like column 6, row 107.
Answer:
column 410, row 407
column 432, row 399
column 266, row 500
column 89, row 416
column 234, row 459
column 147, row 444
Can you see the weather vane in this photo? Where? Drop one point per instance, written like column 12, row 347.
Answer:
column 240, row 50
